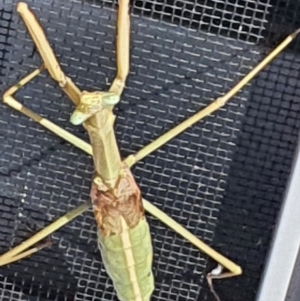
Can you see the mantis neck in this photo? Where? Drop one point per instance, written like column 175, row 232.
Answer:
column 106, row 154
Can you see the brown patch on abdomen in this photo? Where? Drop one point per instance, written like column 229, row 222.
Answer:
column 124, row 199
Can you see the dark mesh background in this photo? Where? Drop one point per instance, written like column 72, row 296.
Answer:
column 223, row 179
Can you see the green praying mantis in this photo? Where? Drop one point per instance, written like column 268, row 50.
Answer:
column 124, row 238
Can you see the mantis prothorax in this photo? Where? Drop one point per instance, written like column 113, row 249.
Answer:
column 115, row 197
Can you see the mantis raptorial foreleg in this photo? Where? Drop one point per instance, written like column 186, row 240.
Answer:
column 123, row 48
column 47, row 54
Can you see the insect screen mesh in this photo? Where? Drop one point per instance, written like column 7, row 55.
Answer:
column 214, row 179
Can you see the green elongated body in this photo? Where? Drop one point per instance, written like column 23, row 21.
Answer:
column 128, row 261
column 124, row 238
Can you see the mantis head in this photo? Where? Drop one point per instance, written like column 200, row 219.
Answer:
column 92, row 103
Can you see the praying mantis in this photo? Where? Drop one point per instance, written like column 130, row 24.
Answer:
column 123, row 231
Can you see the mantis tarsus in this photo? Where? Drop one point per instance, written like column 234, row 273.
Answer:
column 116, row 199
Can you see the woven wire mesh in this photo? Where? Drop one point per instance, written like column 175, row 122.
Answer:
column 184, row 54
column 264, row 157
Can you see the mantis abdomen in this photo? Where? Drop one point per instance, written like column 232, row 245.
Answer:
column 128, row 261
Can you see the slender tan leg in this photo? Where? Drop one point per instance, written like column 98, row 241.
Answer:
column 167, row 220
column 217, row 275
column 19, row 252
column 22, row 82
column 47, row 53
column 12, row 102
column 123, row 47
column 216, row 105
column 81, row 144
column 24, row 254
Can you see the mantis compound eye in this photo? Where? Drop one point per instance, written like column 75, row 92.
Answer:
column 111, row 99
column 78, row 117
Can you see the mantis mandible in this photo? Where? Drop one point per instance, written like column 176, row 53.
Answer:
column 123, row 231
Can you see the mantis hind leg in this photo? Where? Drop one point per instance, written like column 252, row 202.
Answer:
column 25, row 249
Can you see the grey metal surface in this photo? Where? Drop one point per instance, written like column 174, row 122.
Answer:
column 285, row 247
column 294, row 286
